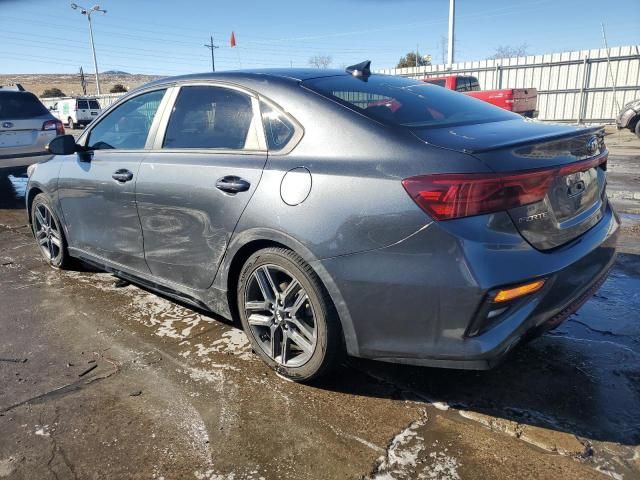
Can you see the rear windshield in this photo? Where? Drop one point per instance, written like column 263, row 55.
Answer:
column 440, row 83
column 20, row 106
column 405, row 102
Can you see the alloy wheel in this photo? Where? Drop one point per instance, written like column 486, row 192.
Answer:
column 280, row 315
column 48, row 233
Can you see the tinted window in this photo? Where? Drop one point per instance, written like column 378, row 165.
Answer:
column 473, row 84
column 127, row 127
column 83, row 105
column 211, row 117
column 277, row 127
column 440, row 83
column 20, row 105
column 406, row 102
column 94, row 105
column 462, row 84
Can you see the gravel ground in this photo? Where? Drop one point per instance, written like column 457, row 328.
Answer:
column 101, row 380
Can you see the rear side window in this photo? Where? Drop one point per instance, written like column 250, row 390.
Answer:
column 440, row 83
column 20, row 106
column 474, row 85
column 94, row 105
column 277, row 127
column 127, row 127
column 211, row 117
column 83, row 105
column 404, row 102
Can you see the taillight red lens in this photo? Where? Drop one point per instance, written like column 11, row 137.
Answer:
column 54, row 125
column 447, row 196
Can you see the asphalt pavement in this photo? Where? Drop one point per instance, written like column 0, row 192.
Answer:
column 101, row 379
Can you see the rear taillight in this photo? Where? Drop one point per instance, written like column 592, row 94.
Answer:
column 448, row 196
column 54, row 125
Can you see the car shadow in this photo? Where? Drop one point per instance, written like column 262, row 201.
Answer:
column 13, row 184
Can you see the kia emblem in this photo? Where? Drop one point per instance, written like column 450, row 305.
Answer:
column 593, row 145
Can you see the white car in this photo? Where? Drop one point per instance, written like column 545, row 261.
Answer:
column 76, row 111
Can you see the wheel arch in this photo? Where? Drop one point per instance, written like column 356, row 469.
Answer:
column 31, row 195
column 247, row 243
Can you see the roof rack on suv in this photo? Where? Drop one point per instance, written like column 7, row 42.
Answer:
column 14, row 87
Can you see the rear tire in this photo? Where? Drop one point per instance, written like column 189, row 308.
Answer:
column 288, row 315
column 48, row 232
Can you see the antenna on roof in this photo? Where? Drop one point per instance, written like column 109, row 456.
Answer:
column 362, row 69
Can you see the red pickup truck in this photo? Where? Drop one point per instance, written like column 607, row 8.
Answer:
column 517, row 100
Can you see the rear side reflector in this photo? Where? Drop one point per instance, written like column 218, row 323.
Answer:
column 507, row 294
column 448, row 196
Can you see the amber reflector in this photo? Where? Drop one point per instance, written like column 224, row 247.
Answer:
column 507, row 294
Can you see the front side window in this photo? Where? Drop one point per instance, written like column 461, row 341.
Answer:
column 127, row 127
column 278, row 129
column 212, row 117
column 405, row 102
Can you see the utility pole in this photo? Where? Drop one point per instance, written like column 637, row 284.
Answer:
column 212, row 47
column 88, row 12
column 417, row 58
column 452, row 15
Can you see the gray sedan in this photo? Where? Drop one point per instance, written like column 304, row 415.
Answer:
column 336, row 212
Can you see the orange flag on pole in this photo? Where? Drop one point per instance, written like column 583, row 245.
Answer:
column 232, row 40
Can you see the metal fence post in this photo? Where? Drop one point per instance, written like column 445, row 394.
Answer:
column 582, row 104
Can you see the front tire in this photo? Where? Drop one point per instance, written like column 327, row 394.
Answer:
column 288, row 316
column 47, row 230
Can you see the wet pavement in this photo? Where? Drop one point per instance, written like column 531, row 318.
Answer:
column 105, row 380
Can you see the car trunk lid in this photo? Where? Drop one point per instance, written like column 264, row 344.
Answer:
column 569, row 161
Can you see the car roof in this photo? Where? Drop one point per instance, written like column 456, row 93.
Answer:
column 291, row 74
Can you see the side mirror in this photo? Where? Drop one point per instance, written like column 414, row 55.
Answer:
column 63, row 145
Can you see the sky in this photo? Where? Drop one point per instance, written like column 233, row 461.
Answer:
column 167, row 37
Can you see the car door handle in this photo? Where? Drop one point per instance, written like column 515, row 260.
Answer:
column 232, row 184
column 122, row 175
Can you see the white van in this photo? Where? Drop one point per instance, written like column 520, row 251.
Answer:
column 76, row 111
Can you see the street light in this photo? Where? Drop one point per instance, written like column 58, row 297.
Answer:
column 88, row 12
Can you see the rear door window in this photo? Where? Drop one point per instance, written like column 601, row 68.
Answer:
column 212, row 117
column 462, row 84
column 405, row 102
column 127, row 127
column 83, row 105
column 20, row 106
column 94, row 105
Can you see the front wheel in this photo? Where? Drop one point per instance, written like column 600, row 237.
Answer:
column 48, row 232
column 287, row 315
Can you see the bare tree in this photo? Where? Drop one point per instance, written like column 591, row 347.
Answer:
column 320, row 61
column 509, row 51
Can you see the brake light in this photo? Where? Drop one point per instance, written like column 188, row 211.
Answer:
column 54, row 125
column 448, row 196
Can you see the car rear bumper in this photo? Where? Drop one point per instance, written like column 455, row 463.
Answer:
column 23, row 159
column 413, row 302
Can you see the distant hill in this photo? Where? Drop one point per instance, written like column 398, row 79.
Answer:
column 115, row 72
column 70, row 83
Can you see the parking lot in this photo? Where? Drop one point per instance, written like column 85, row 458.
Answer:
column 102, row 379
